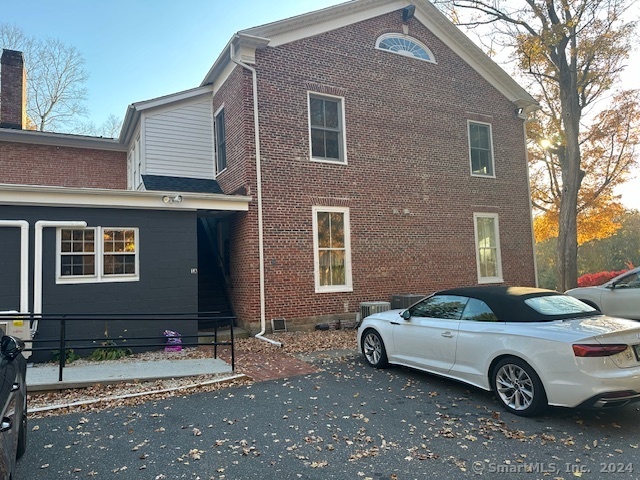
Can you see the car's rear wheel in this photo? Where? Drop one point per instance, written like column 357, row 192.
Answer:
column 22, row 430
column 373, row 349
column 518, row 387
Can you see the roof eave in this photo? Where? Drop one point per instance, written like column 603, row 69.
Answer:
column 35, row 137
column 35, row 195
column 280, row 32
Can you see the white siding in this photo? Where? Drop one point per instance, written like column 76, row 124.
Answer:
column 179, row 141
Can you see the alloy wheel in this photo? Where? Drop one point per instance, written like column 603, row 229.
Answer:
column 515, row 387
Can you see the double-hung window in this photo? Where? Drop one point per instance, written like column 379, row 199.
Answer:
column 326, row 128
column 487, row 237
column 97, row 254
column 481, row 149
column 332, row 249
column 221, row 141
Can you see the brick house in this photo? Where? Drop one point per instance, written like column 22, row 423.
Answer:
column 341, row 156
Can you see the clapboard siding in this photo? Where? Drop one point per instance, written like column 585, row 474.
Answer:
column 179, row 141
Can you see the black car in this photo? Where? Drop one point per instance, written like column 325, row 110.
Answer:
column 13, row 401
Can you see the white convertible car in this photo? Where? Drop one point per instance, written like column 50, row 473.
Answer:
column 532, row 347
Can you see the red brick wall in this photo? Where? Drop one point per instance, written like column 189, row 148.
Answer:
column 28, row 164
column 407, row 146
column 240, row 178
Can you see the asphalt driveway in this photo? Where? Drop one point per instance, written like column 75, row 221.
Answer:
column 347, row 421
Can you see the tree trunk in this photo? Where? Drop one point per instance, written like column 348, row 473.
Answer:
column 572, row 175
column 567, row 254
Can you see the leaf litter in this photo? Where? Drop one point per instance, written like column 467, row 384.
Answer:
column 108, row 396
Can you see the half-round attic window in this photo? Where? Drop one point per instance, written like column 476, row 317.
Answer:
column 404, row 45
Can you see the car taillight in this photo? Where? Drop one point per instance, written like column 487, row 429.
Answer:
column 589, row 350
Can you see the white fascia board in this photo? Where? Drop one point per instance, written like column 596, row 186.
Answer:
column 222, row 77
column 173, row 98
column 258, row 37
column 223, row 66
column 126, row 199
column 129, row 125
column 322, row 21
column 35, row 137
column 332, row 18
column 161, row 109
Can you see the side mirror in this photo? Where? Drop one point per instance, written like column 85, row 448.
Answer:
column 406, row 314
column 10, row 347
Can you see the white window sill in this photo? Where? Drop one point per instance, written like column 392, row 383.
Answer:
column 110, row 279
column 486, row 280
column 335, row 289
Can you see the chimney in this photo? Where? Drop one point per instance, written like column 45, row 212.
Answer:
column 13, row 90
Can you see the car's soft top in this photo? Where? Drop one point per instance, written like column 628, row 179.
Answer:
column 508, row 303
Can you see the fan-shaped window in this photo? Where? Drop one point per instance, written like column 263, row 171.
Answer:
column 404, row 45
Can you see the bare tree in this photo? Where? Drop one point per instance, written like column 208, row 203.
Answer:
column 574, row 51
column 56, row 77
column 56, row 90
column 110, row 128
column 14, row 38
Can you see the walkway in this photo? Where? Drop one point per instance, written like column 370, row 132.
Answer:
column 42, row 377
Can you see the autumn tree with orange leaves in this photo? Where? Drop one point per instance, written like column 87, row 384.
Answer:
column 609, row 147
column 571, row 52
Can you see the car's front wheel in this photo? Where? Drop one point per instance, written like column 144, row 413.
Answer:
column 518, row 387
column 373, row 349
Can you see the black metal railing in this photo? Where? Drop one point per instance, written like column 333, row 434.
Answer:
column 61, row 333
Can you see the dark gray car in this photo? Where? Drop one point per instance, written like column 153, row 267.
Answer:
column 13, row 401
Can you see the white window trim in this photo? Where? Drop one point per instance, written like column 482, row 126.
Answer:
column 481, row 279
column 348, row 287
column 381, row 38
column 493, row 160
column 215, row 142
column 343, row 129
column 98, row 276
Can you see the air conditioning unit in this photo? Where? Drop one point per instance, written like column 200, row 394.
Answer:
column 369, row 308
column 405, row 300
column 17, row 325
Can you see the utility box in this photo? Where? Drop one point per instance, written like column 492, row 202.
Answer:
column 16, row 325
column 368, row 308
column 405, row 300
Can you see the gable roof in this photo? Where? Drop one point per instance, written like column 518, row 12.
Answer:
column 345, row 14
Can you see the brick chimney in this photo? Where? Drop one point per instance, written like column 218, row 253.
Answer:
column 13, row 90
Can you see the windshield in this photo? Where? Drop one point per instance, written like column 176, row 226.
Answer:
column 559, row 305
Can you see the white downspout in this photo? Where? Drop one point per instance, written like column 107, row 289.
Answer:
column 37, row 263
column 525, row 117
column 24, row 260
column 256, row 127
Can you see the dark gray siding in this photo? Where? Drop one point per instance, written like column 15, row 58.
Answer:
column 9, row 268
column 167, row 252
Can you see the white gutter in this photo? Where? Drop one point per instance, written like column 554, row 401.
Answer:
column 24, row 260
column 256, row 125
column 525, row 117
column 37, row 263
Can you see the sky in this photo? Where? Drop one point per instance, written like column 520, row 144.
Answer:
column 136, row 50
